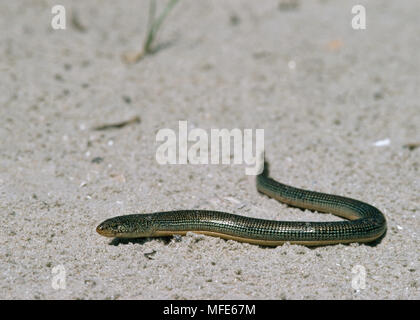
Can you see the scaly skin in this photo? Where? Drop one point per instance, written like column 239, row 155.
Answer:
column 366, row 223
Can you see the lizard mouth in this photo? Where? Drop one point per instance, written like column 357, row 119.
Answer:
column 104, row 231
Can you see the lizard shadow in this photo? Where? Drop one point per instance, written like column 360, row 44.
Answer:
column 141, row 241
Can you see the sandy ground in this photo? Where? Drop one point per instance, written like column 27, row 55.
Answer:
column 323, row 92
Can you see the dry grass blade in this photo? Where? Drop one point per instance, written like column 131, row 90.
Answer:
column 153, row 27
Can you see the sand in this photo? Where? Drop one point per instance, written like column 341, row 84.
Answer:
column 323, row 92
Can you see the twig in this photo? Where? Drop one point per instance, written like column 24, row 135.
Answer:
column 117, row 125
